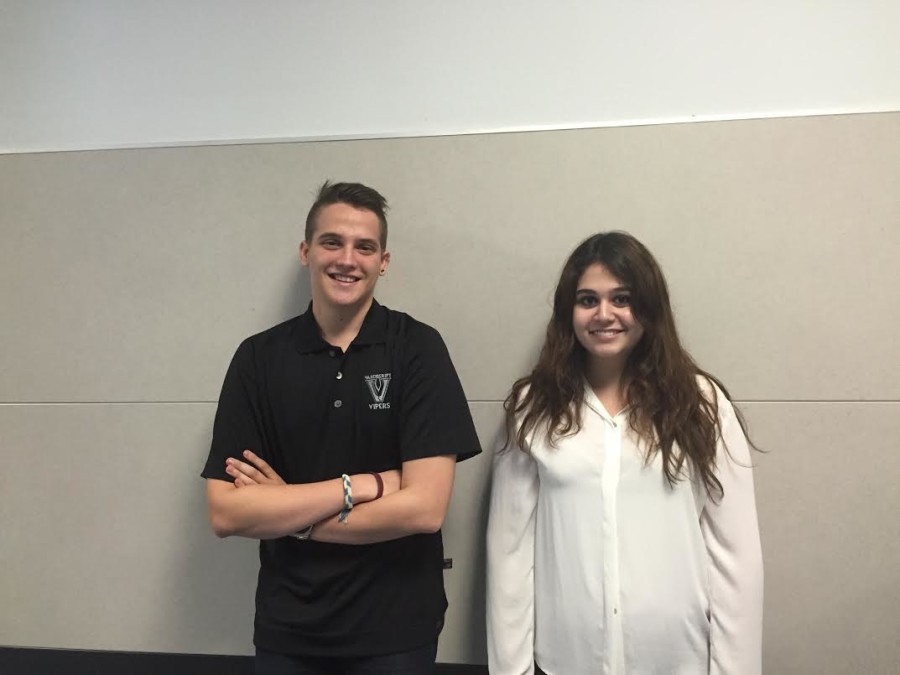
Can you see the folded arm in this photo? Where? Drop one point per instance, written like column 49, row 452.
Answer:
column 418, row 507
column 258, row 504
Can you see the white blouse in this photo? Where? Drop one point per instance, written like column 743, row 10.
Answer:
column 596, row 565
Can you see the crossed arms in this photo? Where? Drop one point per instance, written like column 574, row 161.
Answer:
column 260, row 505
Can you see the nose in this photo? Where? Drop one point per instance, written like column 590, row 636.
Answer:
column 604, row 310
column 346, row 256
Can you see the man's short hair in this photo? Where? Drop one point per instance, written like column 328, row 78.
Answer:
column 356, row 195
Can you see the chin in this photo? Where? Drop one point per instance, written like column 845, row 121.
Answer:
column 347, row 299
column 613, row 353
column 344, row 301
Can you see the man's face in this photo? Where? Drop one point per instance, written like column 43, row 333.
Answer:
column 344, row 256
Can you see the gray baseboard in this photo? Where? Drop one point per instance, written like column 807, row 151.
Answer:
column 27, row 661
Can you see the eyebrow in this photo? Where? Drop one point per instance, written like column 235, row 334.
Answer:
column 336, row 235
column 591, row 291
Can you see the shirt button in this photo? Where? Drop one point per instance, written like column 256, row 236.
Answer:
column 340, row 375
column 330, row 352
column 338, row 404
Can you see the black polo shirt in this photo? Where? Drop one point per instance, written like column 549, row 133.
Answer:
column 314, row 412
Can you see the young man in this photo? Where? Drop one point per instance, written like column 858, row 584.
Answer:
column 335, row 443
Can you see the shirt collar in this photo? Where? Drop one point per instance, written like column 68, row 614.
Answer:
column 309, row 336
column 592, row 402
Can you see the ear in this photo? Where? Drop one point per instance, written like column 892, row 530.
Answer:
column 385, row 261
column 304, row 253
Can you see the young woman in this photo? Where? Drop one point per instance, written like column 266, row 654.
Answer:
column 623, row 535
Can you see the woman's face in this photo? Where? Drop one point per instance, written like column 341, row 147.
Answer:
column 602, row 318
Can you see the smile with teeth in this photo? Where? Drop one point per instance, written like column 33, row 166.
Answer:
column 343, row 278
column 606, row 332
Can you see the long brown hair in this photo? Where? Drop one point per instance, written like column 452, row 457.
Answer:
column 667, row 408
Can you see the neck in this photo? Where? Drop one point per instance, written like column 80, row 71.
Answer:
column 609, row 384
column 340, row 324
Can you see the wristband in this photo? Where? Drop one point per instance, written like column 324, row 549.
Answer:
column 380, row 482
column 348, row 499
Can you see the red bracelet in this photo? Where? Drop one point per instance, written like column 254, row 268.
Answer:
column 380, row 483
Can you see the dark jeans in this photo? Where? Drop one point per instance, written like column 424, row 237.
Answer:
column 416, row 662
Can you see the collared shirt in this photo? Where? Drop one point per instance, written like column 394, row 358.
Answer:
column 314, row 412
column 597, row 565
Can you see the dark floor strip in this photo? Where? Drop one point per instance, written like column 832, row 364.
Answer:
column 27, row 661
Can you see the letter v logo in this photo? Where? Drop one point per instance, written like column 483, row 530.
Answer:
column 378, row 386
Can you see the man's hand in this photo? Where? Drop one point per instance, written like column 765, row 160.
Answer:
column 255, row 471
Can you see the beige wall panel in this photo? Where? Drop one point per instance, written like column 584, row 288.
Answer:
column 828, row 509
column 766, row 230
column 463, row 639
column 105, row 541
column 828, row 504
column 132, row 275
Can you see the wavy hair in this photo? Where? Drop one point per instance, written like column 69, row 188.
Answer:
column 667, row 408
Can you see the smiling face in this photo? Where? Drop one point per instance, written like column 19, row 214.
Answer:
column 602, row 319
column 344, row 256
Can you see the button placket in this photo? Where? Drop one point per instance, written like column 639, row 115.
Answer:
column 612, row 582
column 339, row 375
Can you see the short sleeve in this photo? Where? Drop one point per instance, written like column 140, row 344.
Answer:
column 434, row 414
column 238, row 422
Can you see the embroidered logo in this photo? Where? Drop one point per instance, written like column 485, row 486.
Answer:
column 378, row 386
